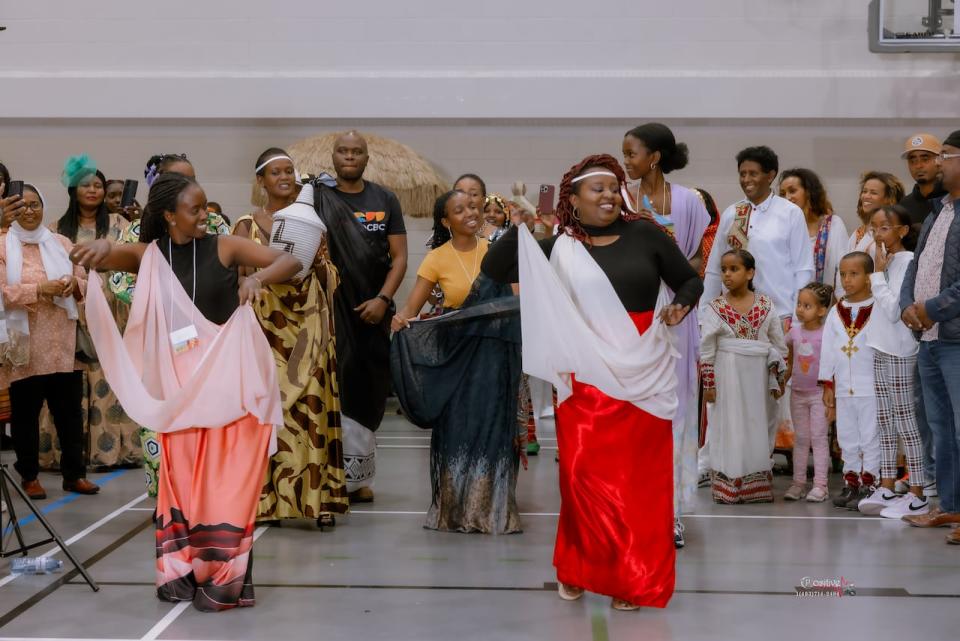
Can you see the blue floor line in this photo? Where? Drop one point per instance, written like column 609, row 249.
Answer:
column 59, row 503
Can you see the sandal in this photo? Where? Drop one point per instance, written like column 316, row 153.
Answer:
column 325, row 521
column 623, row 606
column 569, row 592
column 795, row 493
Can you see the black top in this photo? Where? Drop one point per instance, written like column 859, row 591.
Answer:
column 216, row 284
column 635, row 263
column 378, row 212
column 919, row 205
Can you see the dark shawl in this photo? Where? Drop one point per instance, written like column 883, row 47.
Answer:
column 363, row 350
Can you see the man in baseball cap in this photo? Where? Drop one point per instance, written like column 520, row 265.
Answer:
column 920, row 152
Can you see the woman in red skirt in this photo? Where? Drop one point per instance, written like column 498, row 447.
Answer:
column 595, row 324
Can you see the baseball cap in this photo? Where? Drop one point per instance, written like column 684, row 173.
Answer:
column 921, row 142
column 953, row 139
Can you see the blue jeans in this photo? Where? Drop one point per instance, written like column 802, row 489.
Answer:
column 940, row 376
column 926, row 436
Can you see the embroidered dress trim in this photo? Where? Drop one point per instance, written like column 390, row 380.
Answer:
column 737, row 238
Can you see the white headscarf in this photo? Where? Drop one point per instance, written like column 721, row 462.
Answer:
column 56, row 264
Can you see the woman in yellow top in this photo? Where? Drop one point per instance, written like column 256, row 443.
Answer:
column 463, row 378
column 454, row 261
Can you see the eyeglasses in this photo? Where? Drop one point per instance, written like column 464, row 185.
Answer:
column 945, row 156
column 34, row 206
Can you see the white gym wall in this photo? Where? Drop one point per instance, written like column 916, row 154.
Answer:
column 508, row 90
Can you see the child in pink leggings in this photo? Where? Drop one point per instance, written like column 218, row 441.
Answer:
column 806, row 400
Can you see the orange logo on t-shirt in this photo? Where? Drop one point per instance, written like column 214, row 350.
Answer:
column 370, row 216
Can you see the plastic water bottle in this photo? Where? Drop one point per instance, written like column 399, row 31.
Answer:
column 35, row 565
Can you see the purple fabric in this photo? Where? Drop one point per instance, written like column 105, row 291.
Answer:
column 690, row 220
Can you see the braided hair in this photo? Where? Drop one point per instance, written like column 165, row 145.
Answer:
column 571, row 225
column 164, row 196
column 440, row 233
column 823, row 293
column 69, row 223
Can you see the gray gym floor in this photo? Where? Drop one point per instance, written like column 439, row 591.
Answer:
column 380, row 575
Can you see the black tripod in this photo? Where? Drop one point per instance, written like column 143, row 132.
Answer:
column 6, row 482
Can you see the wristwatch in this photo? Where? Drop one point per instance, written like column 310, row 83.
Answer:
column 385, row 298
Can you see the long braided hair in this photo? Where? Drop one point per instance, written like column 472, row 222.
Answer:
column 571, row 225
column 164, row 196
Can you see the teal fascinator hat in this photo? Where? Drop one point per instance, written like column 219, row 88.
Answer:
column 76, row 169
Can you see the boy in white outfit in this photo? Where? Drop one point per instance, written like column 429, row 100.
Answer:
column 846, row 373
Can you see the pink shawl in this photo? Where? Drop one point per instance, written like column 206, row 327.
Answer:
column 230, row 374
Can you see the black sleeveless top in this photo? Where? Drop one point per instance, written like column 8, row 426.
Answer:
column 216, row 284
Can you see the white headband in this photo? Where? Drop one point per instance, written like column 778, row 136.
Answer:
column 592, row 173
column 270, row 160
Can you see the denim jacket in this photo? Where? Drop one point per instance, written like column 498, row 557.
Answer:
column 945, row 307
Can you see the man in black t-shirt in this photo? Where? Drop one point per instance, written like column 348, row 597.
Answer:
column 920, row 152
column 372, row 259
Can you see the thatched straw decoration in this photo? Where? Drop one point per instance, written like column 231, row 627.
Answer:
column 392, row 164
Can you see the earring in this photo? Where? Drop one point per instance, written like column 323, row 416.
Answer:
column 653, row 166
column 576, row 214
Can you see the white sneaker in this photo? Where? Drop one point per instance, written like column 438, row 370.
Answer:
column 875, row 503
column 907, row 505
column 930, row 489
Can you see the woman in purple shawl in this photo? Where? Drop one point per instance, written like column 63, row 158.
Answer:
column 649, row 152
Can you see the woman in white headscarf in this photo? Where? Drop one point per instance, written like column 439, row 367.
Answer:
column 38, row 333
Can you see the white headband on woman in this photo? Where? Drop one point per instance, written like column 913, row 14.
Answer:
column 270, row 160
column 592, row 173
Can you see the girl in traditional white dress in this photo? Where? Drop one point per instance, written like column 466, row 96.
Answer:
column 742, row 353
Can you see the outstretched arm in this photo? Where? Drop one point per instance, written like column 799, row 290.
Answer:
column 104, row 255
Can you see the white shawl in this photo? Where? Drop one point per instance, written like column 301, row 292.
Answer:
column 56, row 264
column 573, row 323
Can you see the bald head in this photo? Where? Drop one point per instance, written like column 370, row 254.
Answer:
column 350, row 156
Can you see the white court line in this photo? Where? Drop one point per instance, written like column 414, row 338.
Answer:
column 685, row 516
column 179, row 608
column 427, row 438
column 79, row 535
column 785, row 518
column 427, row 447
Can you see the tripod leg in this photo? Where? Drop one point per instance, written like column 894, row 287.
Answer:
column 53, row 533
column 14, row 521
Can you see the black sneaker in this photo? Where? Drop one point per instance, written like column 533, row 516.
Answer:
column 855, row 498
column 841, row 500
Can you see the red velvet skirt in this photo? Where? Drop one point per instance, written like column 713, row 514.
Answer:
column 615, row 534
